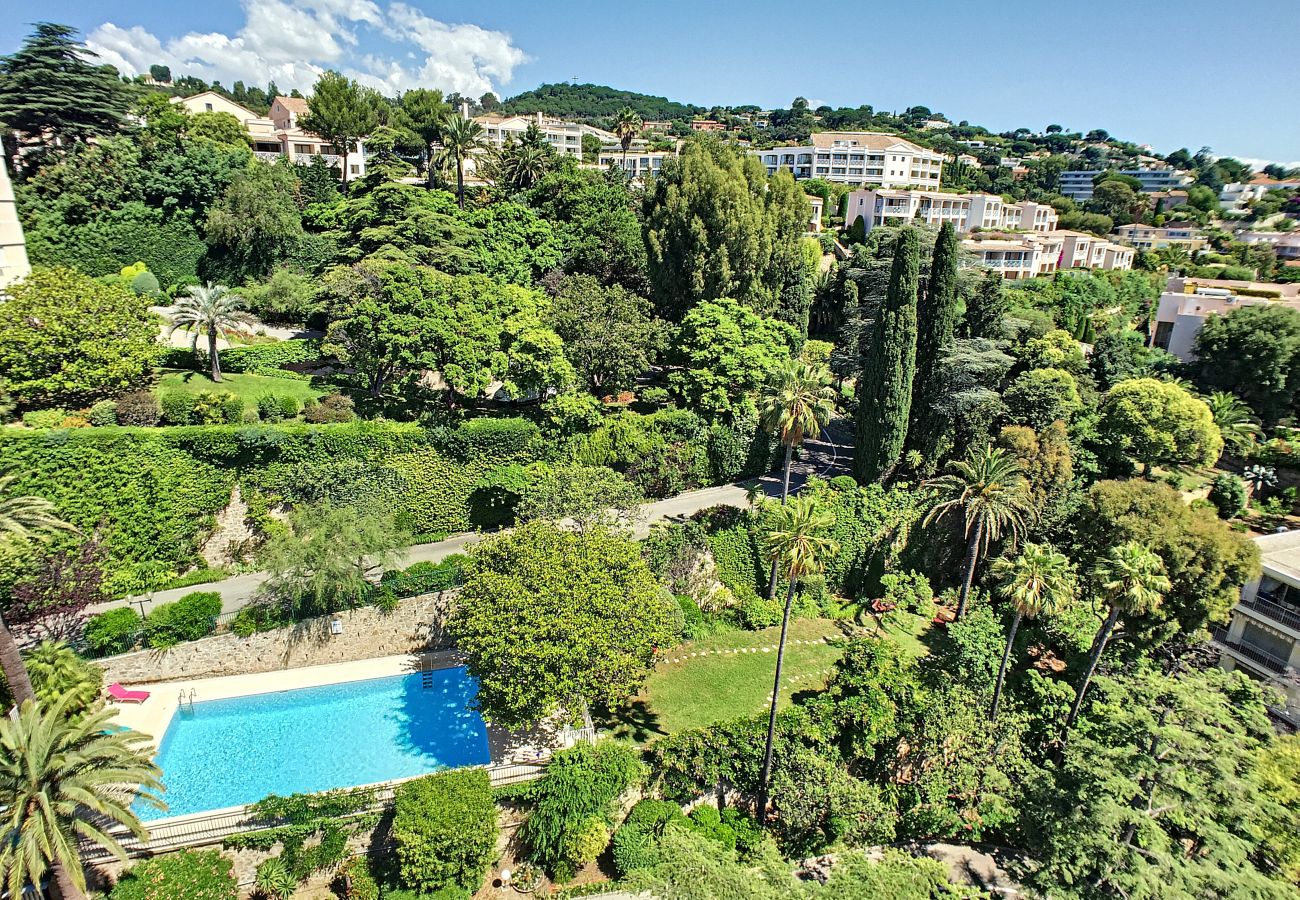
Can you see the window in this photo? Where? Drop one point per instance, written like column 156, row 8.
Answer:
column 302, row 149
column 355, row 169
column 207, row 107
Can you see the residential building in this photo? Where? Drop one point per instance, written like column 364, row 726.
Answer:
column 707, row 125
column 13, row 246
column 1077, row 183
column 1263, row 636
column 1080, row 250
column 638, row 162
column 659, row 126
column 1286, row 244
column 565, row 137
column 211, row 101
column 1147, row 237
column 1163, row 201
column 858, row 157
column 966, row 212
column 817, row 204
column 1015, row 256
column 966, row 159
column 1187, row 302
column 1235, row 197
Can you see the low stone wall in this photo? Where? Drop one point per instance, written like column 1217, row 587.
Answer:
column 416, row 624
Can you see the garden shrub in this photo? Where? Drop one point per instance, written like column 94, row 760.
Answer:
column 232, row 409
column 749, row 836
column 330, row 408
column 358, row 883
column 103, row 414
column 1228, row 495
column 706, row 820
column 44, row 418
column 261, row 359
column 112, row 632
column 757, row 612
column 634, row 847
column 289, row 406
column 186, row 875
column 734, row 541
column 693, row 624
column 268, row 408
column 909, row 591
column 138, row 408
column 274, row 880
column 58, row 673
column 426, row 577
column 577, row 792
column 445, row 830
column 177, row 407
column 187, row 619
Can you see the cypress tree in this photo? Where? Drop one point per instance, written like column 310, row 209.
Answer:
column 937, row 321
column 888, row 366
column 987, row 308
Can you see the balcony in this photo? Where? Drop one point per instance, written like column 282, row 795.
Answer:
column 1265, row 603
column 1260, row 657
column 268, row 155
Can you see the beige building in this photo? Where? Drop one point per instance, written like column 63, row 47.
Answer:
column 639, row 161
column 1015, row 256
column 1187, row 302
column 1080, row 250
column 1263, row 636
column 1147, row 237
column 966, row 212
column 860, row 158
column 13, row 246
column 565, row 137
column 1286, row 244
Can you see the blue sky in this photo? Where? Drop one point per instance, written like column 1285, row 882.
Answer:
column 1166, row 72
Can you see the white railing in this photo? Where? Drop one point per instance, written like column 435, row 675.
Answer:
column 270, row 155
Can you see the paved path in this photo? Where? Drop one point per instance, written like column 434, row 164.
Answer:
column 826, row 458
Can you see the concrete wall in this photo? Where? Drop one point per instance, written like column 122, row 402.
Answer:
column 416, row 624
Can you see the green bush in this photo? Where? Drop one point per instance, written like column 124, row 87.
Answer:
column 44, row 418
column 177, row 407
column 113, row 632
column 187, row 875
column 756, row 612
column 274, row 880
column 426, row 577
column 260, row 617
column 358, row 883
column 145, row 283
column 692, row 617
column 445, row 830
column 635, row 847
column 330, row 408
column 1228, row 495
column 289, row 406
column 261, row 359
column 187, row 619
column 268, row 408
column 103, row 414
column 232, row 409
column 138, row 408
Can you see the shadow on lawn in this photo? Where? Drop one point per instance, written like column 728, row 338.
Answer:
column 635, row 721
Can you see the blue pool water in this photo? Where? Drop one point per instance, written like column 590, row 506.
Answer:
column 237, row 751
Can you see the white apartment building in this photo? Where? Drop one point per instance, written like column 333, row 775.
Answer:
column 858, row 157
column 565, row 137
column 1187, row 302
column 1286, row 244
column 1148, row 237
column 1080, row 250
column 639, row 162
column 1077, row 183
column 1016, row 257
column 1235, row 197
column 966, row 212
column 13, row 246
column 1263, row 636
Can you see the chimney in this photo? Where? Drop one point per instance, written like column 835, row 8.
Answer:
column 464, row 109
column 539, row 119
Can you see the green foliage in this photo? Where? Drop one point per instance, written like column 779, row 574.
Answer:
column 588, row 495
column 256, row 223
column 1252, row 352
column 102, row 414
column 360, row 884
column 273, row 879
column 581, row 785
column 426, row 577
column 332, row 408
column 1159, row 422
column 593, row 101
column 66, row 338
column 258, row 617
column 184, row 875
column 187, row 619
column 45, row 418
column 937, row 314
column 59, row 674
column 262, row 359
column 609, row 334
column 736, row 544
column 113, row 632
column 140, row 409
column 897, row 876
column 581, row 607
column 445, row 830
column 1039, row 397
column 1228, row 494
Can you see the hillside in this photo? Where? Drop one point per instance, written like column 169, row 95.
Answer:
column 595, row 101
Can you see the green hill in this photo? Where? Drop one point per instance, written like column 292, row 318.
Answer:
column 594, row 101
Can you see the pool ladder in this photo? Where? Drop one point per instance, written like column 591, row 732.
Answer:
column 426, row 673
column 182, row 700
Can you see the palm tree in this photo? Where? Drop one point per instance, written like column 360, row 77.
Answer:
column 213, row 309
column 460, row 137
column 1132, row 580
column 64, row 780
column 992, row 495
column 1237, row 424
column 22, row 518
column 627, row 125
column 1039, row 580
column 797, row 403
column 798, row 544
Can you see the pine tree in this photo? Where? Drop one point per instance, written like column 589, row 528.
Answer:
column 50, row 89
column 937, row 321
column 987, row 309
column 888, row 366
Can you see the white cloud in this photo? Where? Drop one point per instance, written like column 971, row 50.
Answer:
column 292, row 41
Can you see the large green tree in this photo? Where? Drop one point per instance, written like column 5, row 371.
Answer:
column 1039, row 580
column 1254, row 352
column 461, row 137
column 342, row 112
column 718, row 227
column 257, row 222
column 67, row 338
column 51, row 88
column 551, row 620
column 423, row 111
column 1158, row 422
column 610, row 334
column 888, row 367
column 937, row 315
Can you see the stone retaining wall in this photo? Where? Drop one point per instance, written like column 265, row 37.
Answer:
column 416, row 624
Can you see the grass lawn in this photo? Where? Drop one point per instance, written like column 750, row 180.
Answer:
column 247, row 387
column 908, row 631
column 723, row 681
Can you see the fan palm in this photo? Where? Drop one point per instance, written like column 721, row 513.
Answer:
column 627, row 125
column 796, row 403
column 461, row 137
column 21, row 518
column 1131, row 578
column 798, row 544
column 1236, row 422
column 990, row 492
column 64, row 780
column 1039, row 580
column 211, row 309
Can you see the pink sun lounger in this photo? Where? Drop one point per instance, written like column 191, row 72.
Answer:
column 117, row 692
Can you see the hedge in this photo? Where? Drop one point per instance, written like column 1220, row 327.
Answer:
column 259, row 359
column 445, row 830
column 191, row 617
column 170, row 250
column 187, row 875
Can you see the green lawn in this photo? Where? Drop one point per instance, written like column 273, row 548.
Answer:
column 247, row 387
column 728, row 676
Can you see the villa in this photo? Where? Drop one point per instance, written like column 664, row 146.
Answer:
column 966, row 212
column 858, row 157
column 1187, row 302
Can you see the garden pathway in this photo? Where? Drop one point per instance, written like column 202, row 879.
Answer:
column 827, row 457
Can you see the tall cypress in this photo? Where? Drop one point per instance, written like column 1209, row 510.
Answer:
column 937, row 321
column 987, row 309
column 888, row 366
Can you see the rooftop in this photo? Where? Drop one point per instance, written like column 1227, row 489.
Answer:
column 1280, row 554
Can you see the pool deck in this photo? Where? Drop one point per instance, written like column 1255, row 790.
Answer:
column 152, row 717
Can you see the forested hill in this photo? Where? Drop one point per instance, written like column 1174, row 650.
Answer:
column 595, row 101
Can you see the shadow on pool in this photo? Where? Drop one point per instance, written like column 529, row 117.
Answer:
column 437, row 722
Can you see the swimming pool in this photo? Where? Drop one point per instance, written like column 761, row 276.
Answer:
column 237, row 751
